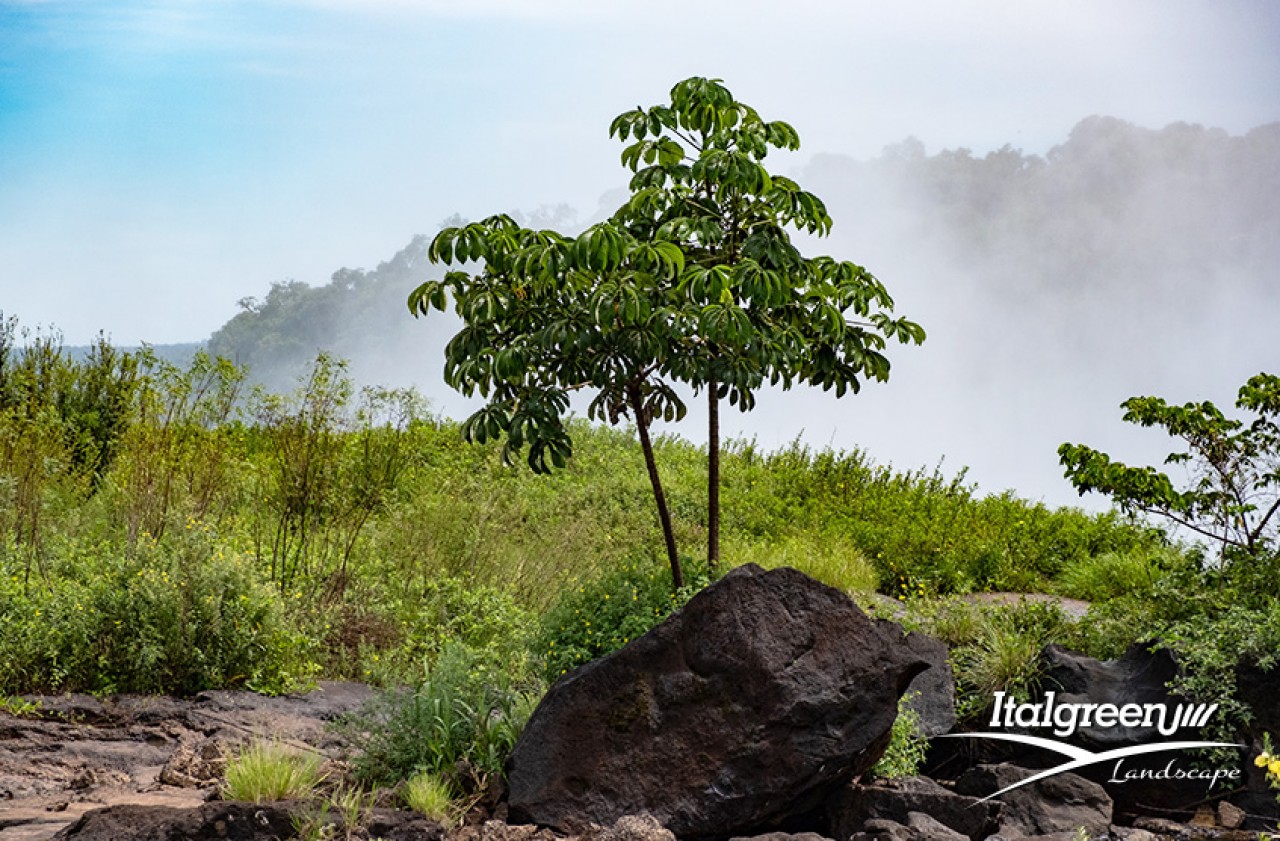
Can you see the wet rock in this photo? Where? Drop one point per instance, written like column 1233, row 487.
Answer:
column 762, row 696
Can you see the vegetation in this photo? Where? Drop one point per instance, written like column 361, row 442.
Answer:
column 907, row 745
column 1234, row 493
column 430, row 795
column 266, row 771
column 1219, row 611
column 694, row 280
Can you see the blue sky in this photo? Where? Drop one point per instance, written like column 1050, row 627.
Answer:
column 161, row 160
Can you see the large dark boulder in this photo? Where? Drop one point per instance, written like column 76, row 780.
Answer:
column 1139, row 676
column 762, row 696
column 1061, row 803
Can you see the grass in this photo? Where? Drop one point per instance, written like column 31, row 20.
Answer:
column 267, row 771
column 430, row 795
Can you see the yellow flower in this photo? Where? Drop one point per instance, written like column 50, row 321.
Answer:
column 1273, row 768
column 1261, row 760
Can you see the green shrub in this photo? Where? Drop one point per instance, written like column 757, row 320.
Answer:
column 176, row 617
column 907, row 744
column 994, row 648
column 596, row 618
column 1113, row 574
column 459, row 711
column 266, row 771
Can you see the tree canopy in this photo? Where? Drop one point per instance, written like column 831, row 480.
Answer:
column 1233, row 494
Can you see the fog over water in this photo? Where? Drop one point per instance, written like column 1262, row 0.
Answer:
column 161, row 161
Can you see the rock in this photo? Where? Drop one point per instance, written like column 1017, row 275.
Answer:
column 1230, row 815
column 757, row 700
column 932, row 694
column 229, row 820
column 783, row 836
column 1132, row 833
column 894, row 800
column 631, row 828
column 1139, row 676
column 500, row 831
column 930, row 828
column 195, row 765
column 919, row 827
column 398, row 825
column 1060, row 803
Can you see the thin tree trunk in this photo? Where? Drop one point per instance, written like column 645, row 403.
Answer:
column 713, row 476
column 664, row 515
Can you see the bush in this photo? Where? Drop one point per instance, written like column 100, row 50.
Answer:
column 460, row 713
column 600, row 617
column 176, row 618
column 1115, row 574
column 907, row 744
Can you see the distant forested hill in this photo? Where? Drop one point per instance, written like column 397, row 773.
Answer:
column 1116, row 216
column 359, row 315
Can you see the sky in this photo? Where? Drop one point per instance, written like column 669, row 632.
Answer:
column 160, row 161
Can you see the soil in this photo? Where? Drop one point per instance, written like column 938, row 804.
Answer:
column 79, row 753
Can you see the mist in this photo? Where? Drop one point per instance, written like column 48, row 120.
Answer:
column 1124, row 261
column 161, row 162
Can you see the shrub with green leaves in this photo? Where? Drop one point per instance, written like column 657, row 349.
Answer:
column 907, row 744
column 459, row 711
column 176, row 617
column 1113, row 574
column 593, row 619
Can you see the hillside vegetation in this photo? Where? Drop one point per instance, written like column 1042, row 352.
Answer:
column 167, row 529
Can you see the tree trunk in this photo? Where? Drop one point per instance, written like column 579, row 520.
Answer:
column 713, row 476
column 664, row 515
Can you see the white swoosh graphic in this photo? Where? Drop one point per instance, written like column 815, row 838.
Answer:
column 1079, row 756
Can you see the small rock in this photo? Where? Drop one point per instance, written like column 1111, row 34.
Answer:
column 1230, row 815
column 195, row 765
column 927, row 827
column 631, row 828
column 783, row 836
column 850, row 809
column 1132, row 833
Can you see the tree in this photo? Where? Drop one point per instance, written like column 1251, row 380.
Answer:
column 546, row 315
column 694, row 280
column 750, row 306
column 1234, row 468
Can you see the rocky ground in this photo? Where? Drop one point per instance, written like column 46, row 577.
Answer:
column 78, row 753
